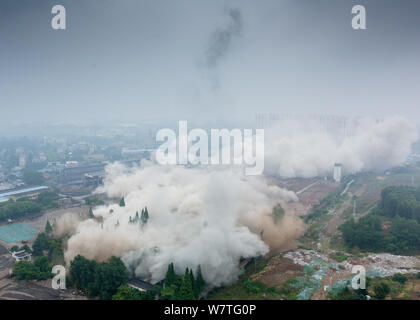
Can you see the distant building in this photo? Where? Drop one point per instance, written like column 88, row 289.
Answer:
column 18, row 193
column 337, row 172
column 22, row 256
column 137, row 153
column 140, row 285
column 72, row 164
column 92, row 180
column 22, row 161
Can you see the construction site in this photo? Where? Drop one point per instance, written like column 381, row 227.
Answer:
column 318, row 264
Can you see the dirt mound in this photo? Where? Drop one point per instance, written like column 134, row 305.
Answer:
column 278, row 271
column 3, row 250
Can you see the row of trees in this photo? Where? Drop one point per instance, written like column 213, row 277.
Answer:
column 403, row 237
column 186, row 287
column 392, row 227
column 40, row 269
column 25, row 206
column 403, row 201
column 18, row 209
column 144, row 217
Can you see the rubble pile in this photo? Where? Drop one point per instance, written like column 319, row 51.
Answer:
column 391, row 264
column 384, row 264
column 304, row 257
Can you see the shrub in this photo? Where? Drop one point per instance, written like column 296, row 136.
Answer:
column 399, row 277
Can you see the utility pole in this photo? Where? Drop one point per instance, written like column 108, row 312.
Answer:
column 354, row 209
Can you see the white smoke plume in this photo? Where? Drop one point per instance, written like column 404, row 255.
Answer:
column 213, row 217
column 300, row 149
column 197, row 217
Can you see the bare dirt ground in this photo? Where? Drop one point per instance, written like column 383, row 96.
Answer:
column 41, row 221
column 12, row 289
column 277, row 272
column 310, row 192
column 3, row 250
column 319, row 191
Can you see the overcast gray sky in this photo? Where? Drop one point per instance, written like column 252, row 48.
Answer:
column 132, row 60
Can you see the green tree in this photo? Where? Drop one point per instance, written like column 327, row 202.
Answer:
column 26, row 248
column 122, row 202
column 170, row 278
column 25, row 270
column 399, row 277
column 41, row 243
column 186, row 291
column 144, row 216
column 381, row 290
column 192, row 279
column 278, row 212
column 43, row 264
column 109, row 276
column 126, row 293
column 91, row 213
column 48, row 228
column 365, row 234
column 169, row 292
column 82, row 272
column 32, row 177
column 199, row 282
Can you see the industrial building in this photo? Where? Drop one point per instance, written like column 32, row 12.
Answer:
column 14, row 194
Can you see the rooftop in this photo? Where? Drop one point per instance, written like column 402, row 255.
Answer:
column 140, row 284
column 21, row 254
column 21, row 191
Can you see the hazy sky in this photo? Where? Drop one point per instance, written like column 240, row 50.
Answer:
column 132, row 60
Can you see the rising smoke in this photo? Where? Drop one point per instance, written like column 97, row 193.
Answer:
column 301, row 149
column 221, row 39
column 214, row 217
column 197, row 217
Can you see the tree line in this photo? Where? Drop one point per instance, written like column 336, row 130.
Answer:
column 25, row 206
column 392, row 227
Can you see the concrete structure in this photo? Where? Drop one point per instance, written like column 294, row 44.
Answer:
column 22, row 256
column 140, row 285
column 337, row 172
column 91, row 180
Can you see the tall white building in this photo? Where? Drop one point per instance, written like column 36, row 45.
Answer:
column 337, row 172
